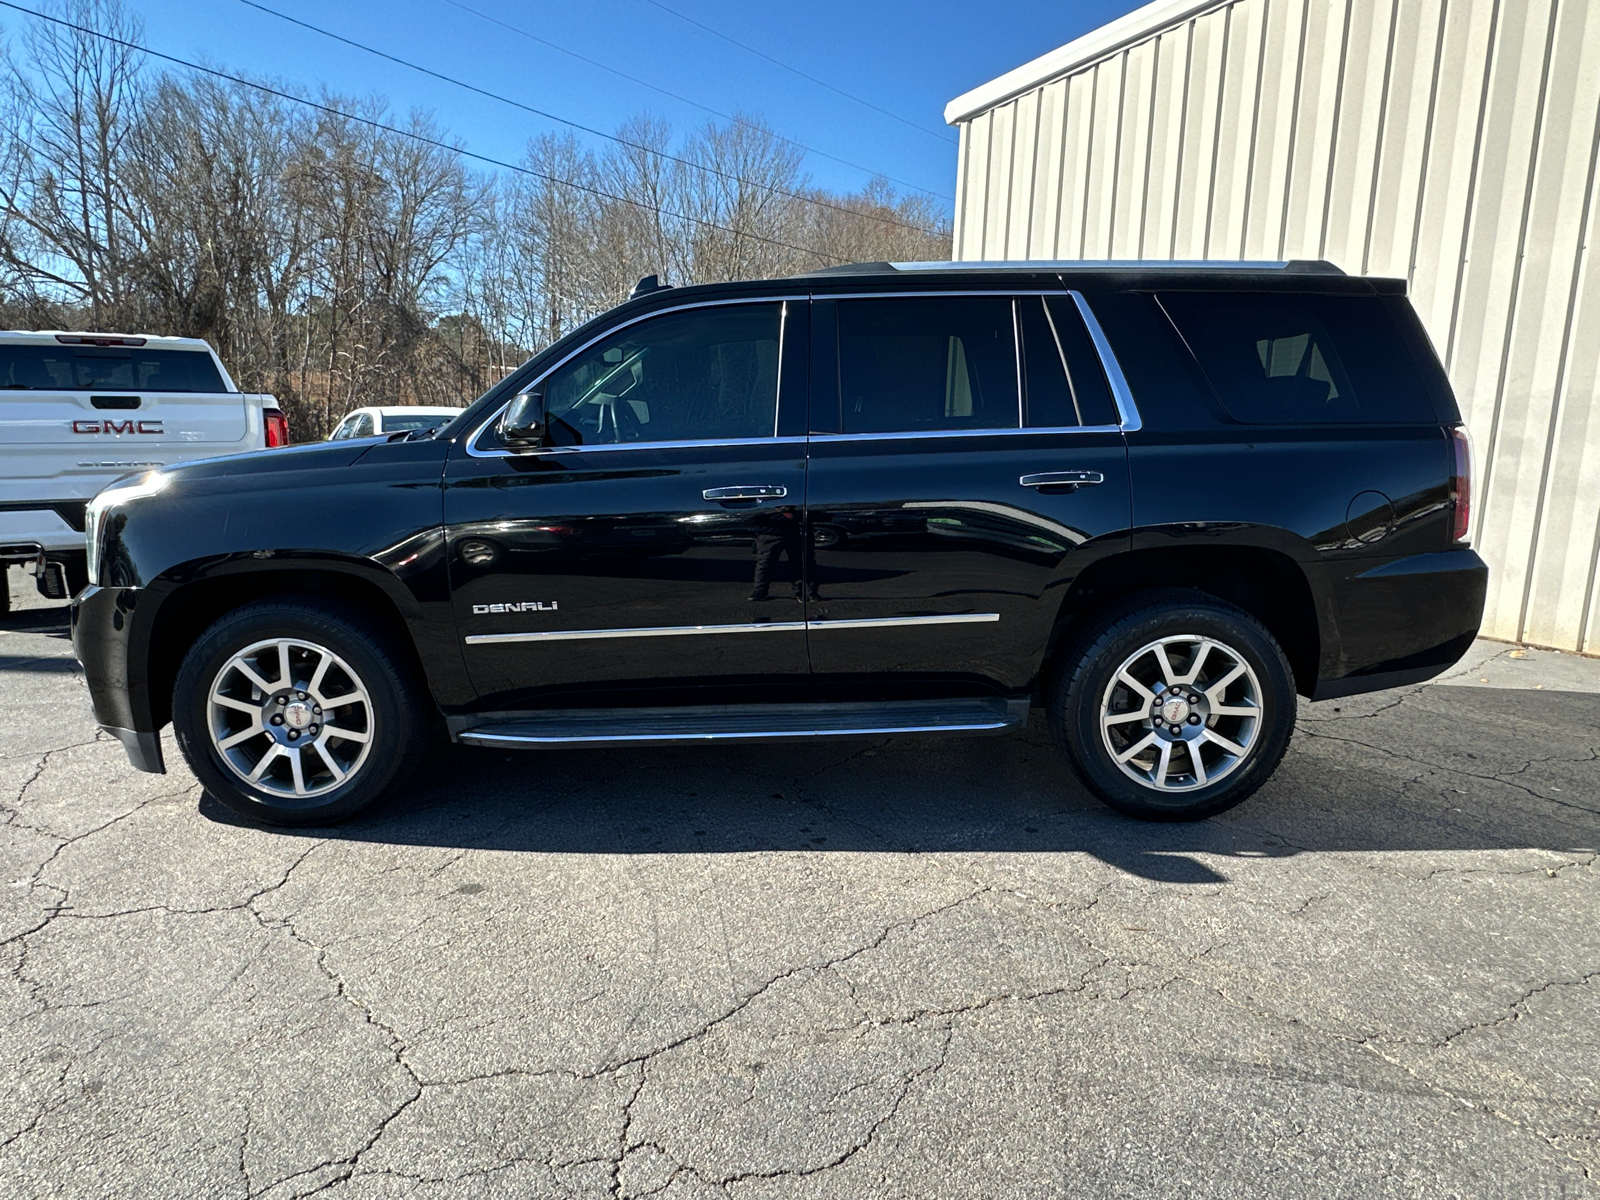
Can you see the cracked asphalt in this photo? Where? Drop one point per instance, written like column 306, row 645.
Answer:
column 902, row 969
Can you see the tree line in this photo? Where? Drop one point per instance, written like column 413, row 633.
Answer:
column 339, row 254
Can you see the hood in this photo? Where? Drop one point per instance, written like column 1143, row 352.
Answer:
column 311, row 456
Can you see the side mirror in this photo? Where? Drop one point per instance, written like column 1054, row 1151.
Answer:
column 523, row 421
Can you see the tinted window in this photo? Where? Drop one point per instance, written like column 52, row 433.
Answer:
column 394, row 424
column 363, row 426
column 709, row 373
column 107, row 369
column 1065, row 384
column 1302, row 360
column 927, row 364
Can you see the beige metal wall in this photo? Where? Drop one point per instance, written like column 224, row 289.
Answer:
column 1450, row 142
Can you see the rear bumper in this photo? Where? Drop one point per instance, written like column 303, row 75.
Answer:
column 43, row 528
column 102, row 634
column 1404, row 621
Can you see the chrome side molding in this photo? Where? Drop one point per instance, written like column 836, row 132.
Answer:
column 573, row 635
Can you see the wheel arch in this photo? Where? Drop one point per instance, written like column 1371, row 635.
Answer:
column 190, row 608
column 1267, row 584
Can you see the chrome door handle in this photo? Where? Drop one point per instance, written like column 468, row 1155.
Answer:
column 1062, row 479
column 751, row 491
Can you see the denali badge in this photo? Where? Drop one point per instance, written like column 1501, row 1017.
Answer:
column 517, row 606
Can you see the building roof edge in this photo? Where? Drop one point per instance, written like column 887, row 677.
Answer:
column 1096, row 44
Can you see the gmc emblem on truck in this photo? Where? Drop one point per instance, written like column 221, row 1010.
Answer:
column 479, row 610
column 117, row 427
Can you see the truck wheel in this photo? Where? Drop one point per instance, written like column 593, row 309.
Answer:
column 297, row 712
column 1176, row 710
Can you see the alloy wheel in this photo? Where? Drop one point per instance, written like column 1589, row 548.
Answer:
column 1181, row 713
column 290, row 718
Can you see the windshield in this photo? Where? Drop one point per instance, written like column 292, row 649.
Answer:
column 107, row 369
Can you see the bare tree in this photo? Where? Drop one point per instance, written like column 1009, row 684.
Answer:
column 337, row 257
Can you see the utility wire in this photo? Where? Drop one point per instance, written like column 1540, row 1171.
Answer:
column 406, row 133
column 550, row 116
column 797, row 71
column 671, row 95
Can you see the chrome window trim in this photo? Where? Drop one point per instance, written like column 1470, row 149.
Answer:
column 920, row 294
column 1120, row 391
column 962, row 433
column 1061, row 353
column 574, row 635
column 1016, row 344
column 1121, row 394
column 777, row 382
column 783, row 300
column 797, row 439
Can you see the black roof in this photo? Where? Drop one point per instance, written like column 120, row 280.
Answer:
column 1090, row 275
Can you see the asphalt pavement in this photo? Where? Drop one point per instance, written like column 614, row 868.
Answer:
column 870, row 969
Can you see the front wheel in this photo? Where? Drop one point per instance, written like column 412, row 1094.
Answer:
column 296, row 712
column 1176, row 710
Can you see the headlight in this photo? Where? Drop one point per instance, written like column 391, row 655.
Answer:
column 117, row 493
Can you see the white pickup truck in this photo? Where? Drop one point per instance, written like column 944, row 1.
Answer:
column 78, row 410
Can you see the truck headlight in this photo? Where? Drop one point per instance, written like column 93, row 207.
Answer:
column 117, row 493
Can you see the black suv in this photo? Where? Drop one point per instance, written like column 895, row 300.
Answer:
column 1158, row 500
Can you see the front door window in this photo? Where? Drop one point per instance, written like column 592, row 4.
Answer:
column 698, row 375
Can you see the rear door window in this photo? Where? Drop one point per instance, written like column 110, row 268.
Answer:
column 107, row 369
column 1065, row 385
column 1287, row 359
column 927, row 365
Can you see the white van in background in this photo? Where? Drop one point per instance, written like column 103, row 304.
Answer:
column 78, row 410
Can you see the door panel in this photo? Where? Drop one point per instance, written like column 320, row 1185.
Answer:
column 908, row 531
column 930, row 554
column 655, row 533
column 620, row 551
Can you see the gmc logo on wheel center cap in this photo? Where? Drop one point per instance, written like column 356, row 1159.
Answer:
column 117, row 427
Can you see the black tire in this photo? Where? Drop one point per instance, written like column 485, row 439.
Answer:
column 394, row 713
column 1084, row 690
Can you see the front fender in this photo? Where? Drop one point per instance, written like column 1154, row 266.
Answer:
column 368, row 517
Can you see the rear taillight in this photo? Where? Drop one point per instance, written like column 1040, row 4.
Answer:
column 277, row 427
column 1461, row 481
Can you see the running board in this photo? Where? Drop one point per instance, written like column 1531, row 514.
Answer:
column 584, row 727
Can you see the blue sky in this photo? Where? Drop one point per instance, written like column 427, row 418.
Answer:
column 907, row 58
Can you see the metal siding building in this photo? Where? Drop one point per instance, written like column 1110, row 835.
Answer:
column 1449, row 142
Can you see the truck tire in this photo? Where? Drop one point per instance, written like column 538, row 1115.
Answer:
column 1174, row 709
column 298, row 712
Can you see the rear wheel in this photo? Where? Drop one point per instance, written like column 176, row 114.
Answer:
column 1176, row 710
column 296, row 712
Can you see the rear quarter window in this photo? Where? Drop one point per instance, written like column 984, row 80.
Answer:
column 1290, row 359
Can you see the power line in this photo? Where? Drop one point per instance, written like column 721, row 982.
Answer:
column 550, row 116
column 797, row 71
column 406, row 133
column 671, row 95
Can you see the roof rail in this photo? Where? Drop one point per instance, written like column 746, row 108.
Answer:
column 1299, row 266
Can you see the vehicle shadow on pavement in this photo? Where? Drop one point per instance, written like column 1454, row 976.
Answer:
column 53, row 622
column 1391, row 781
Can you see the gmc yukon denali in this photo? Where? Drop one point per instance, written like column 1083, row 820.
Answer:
column 1158, row 501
